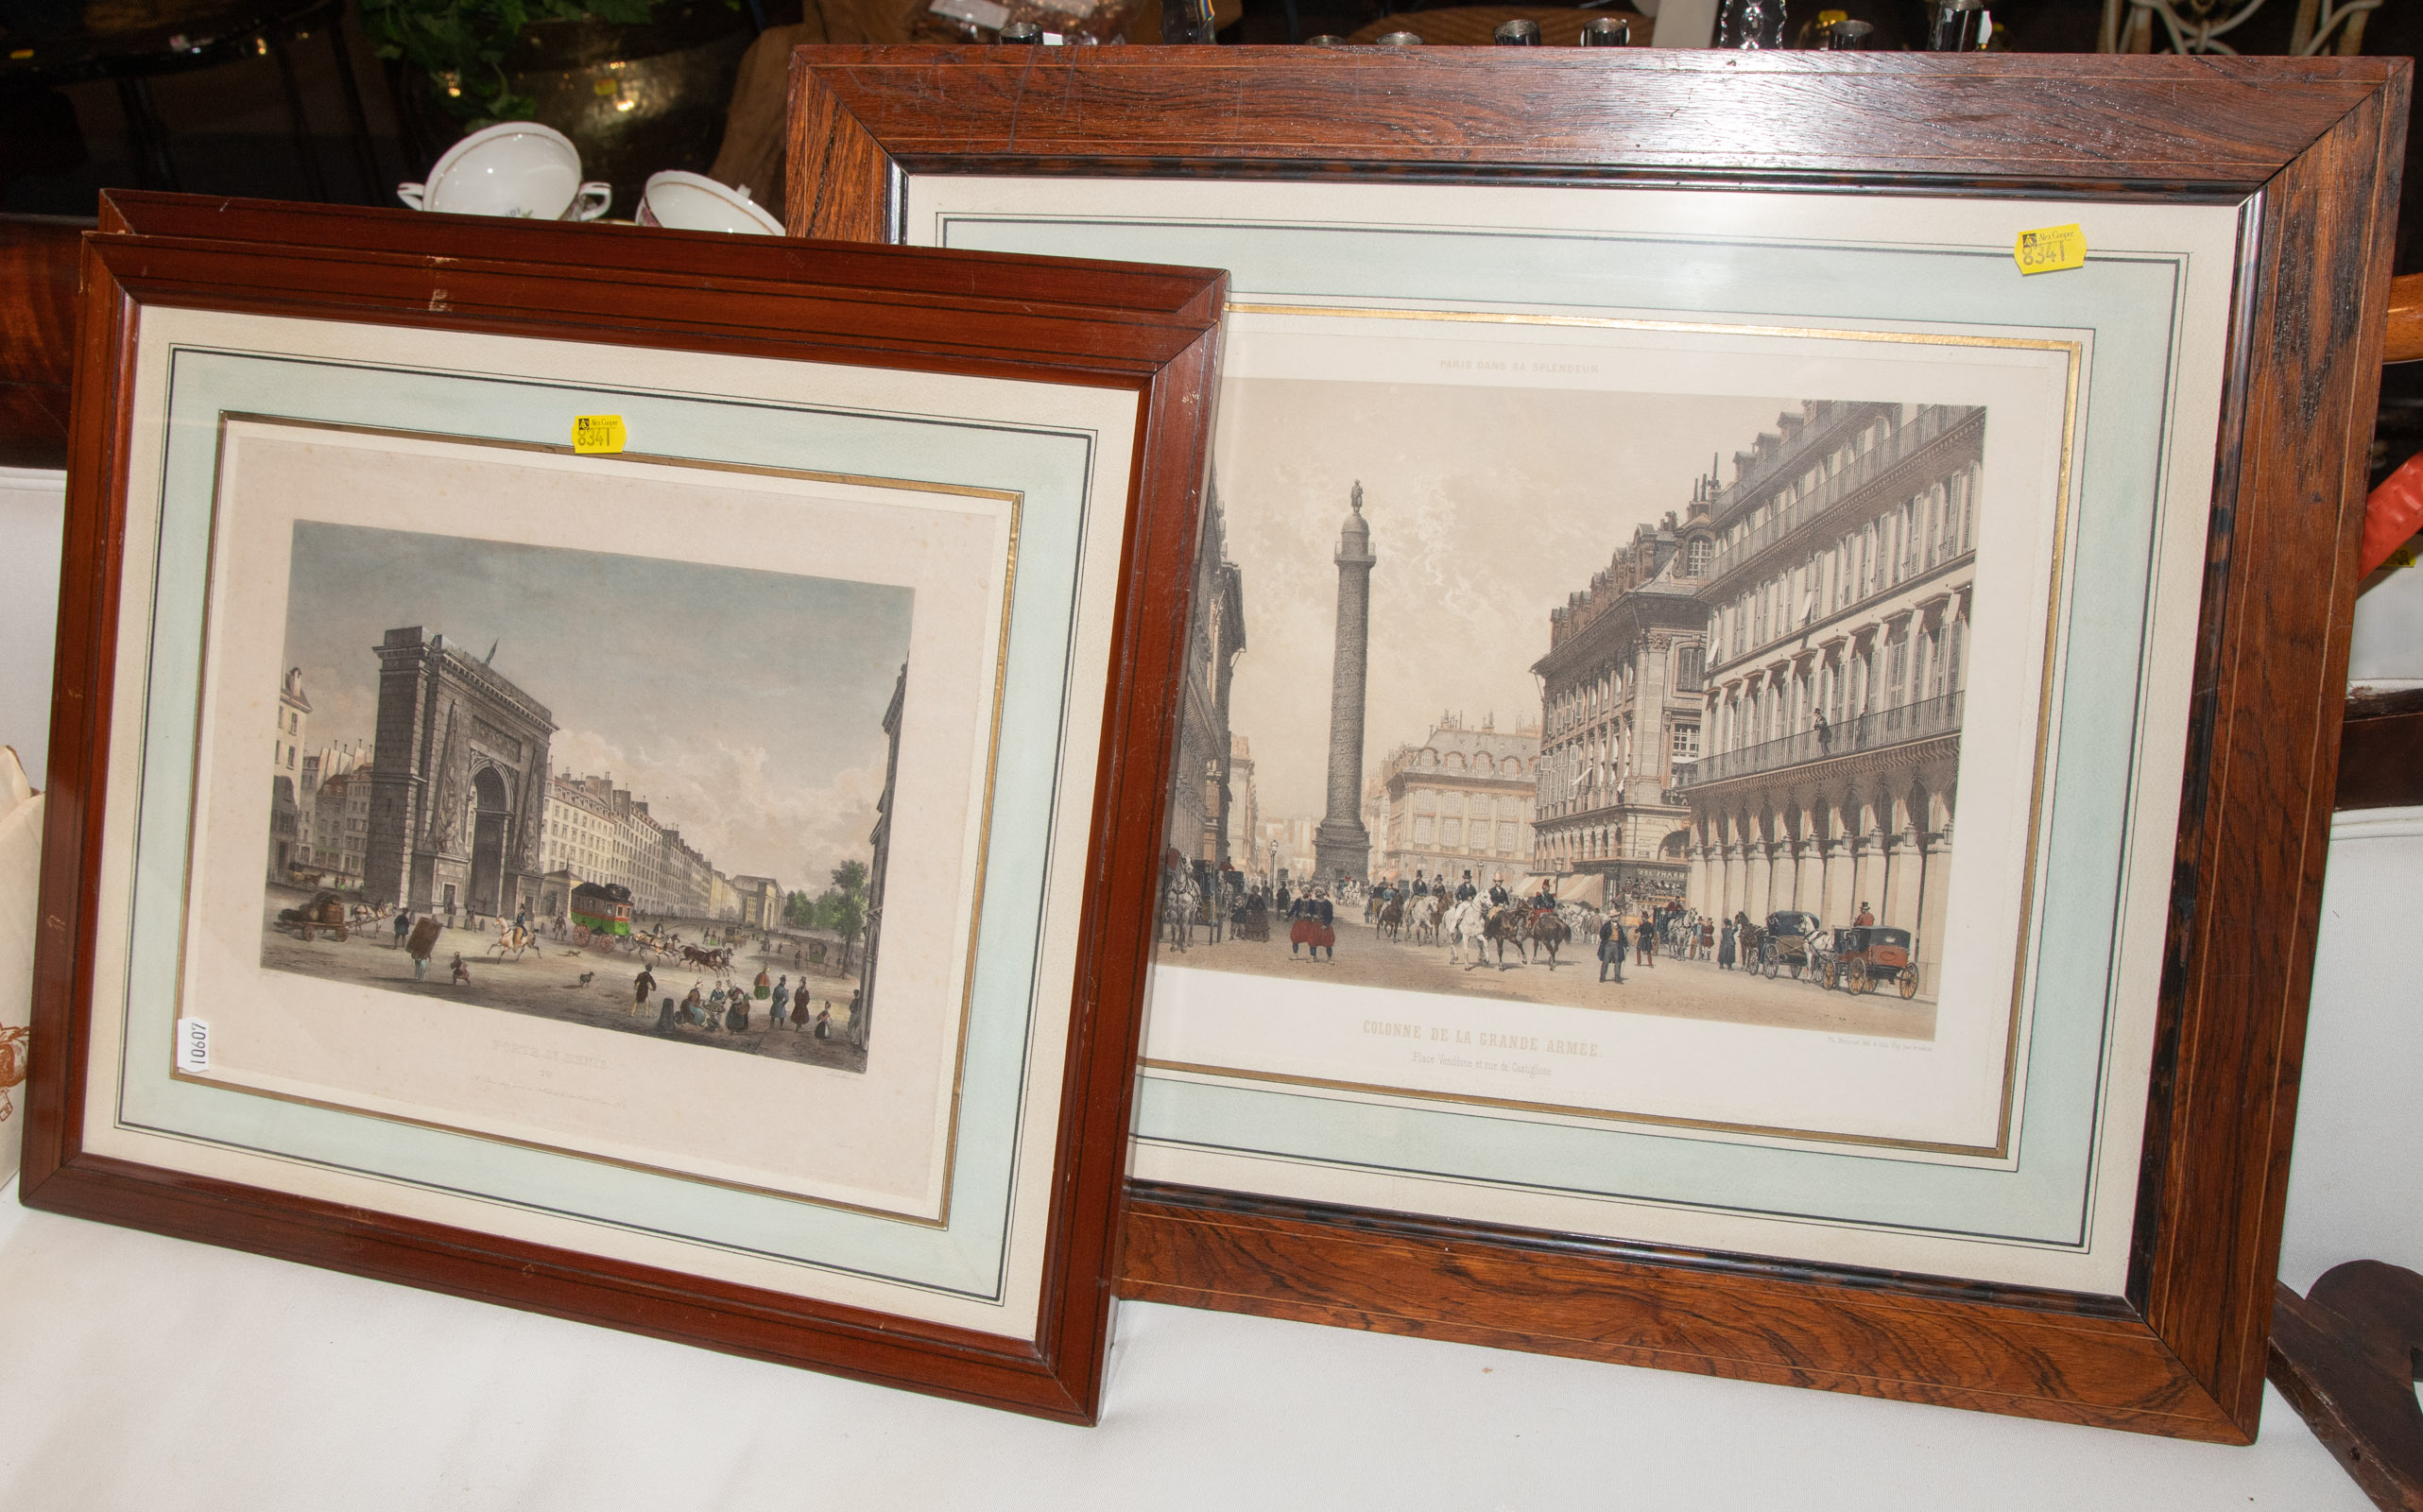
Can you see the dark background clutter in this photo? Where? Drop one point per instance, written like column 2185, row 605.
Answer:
column 286, row 99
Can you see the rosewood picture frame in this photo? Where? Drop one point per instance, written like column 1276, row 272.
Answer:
column 1099, row 329
column 2310, row 149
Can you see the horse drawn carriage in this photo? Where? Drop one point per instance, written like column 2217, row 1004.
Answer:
column 1868, row 955
column 1790, row 940
column 601, row 914
column 327, row 913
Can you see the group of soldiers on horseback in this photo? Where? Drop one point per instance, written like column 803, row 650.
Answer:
column 1461, row 915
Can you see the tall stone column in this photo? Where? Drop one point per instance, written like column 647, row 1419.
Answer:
column 1838, row 906
column 1342, row 845
column 1934, row 895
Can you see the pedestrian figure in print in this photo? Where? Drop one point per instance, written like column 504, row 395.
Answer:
column 462, row 972
column 641, row 985
column 1611, row 949
column 423, row 944
column 1312, row 926
column 1724, row 947
column 1645, row 939
column 402, row 928
column 824, row 1022
column 782, row 1001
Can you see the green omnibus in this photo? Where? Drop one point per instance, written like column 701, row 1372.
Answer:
column 602, row 908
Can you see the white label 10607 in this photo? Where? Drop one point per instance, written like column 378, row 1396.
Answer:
column 193, row 1045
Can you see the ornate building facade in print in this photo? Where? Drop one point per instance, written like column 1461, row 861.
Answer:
column 1202, row 796
column 289, row 808
column 1837, row 620
column 880, row 861
column 1460, row 801
column 1244, row 806
column 1621, row 695
column 458, row 783
column 594, row 832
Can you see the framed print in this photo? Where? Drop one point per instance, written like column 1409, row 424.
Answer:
column 702, row 873
column 1768, row 660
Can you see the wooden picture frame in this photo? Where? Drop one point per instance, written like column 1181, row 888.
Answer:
column 2306, row 149
column 807, row 342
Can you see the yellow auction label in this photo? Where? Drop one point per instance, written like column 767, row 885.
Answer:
column 2050, row 250
column 597, row 432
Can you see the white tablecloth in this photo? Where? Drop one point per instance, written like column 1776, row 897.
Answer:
column 138, row 1372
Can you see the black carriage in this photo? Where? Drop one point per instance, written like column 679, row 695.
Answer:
column 1869, row 956
column 1790, row 941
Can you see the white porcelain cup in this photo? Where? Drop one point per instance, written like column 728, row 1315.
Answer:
column 691, row 201
column 517, row 168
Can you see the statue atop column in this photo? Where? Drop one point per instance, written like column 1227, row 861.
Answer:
column 1341, row 846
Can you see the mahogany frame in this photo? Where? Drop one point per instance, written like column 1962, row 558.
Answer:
column 2316, row 146
column 1153, row 331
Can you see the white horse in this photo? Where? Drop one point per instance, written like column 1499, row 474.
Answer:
column 1466, row 923
column 1179, row 901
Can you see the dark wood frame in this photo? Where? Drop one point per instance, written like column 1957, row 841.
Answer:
column 1149, row 330
column 2315, row 144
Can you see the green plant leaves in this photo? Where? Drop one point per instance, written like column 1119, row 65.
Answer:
column 460, row 46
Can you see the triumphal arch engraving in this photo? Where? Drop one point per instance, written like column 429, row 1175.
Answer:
column 458, row 783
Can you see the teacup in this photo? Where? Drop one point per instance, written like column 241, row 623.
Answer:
column 516, row 168
column 691, row 201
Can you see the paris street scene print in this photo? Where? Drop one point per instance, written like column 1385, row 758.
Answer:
column 642, row 795
column 1644, row 703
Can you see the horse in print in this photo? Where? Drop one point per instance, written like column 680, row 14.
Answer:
column 1548, row 932
column 1507, row 925
column 513, row 941
column 1178, row 902
column 1464, row 926
column 1392, row 919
